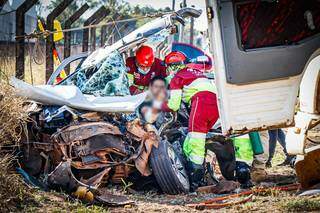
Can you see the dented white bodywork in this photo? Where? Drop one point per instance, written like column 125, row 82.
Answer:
column 269, row 104
column 71, row 96
column 252, row 106
column 307, row 114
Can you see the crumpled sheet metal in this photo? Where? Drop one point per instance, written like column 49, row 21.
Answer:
column 308, row 167
column 84, row 131
column 92, row 142
column 63, row 177
column 72, row 96
column 148, row 140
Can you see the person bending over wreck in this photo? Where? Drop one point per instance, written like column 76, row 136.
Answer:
column 142, row 68
column 192, row 87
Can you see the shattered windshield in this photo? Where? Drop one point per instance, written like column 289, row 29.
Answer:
column 106, row 79
column 109, row 78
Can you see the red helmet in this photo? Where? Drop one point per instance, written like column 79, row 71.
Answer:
column 144, row 56
column 175, row 57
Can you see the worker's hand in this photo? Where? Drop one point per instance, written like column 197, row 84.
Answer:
column 150, row 115
column 156, row 104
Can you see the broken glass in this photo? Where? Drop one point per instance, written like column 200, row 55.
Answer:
column 106, row 79
column 109, row 78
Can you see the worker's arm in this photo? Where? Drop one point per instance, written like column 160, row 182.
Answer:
column 163, row 71
column 174, row 102
column 130, row 74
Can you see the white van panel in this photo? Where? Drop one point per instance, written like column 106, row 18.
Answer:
column 254, row 106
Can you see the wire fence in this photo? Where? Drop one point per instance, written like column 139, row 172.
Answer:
column 35, row 46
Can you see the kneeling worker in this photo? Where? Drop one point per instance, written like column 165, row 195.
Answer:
column 142, row 68
column 191, row 86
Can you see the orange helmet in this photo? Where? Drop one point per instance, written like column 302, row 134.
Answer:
column 175, row 57
column 145, row 56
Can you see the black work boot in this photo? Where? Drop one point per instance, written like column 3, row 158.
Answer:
column 286, row 161
column 196, row 173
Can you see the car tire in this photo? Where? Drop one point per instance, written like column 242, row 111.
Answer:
column 168, row 169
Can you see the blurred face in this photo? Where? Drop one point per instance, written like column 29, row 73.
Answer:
column 158, row 87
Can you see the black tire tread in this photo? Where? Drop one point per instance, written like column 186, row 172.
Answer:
column 163, row 171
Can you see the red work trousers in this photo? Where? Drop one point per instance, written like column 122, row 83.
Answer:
column 204, row 112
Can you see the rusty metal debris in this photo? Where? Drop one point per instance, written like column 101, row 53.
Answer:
column 90, row 150
column 308, row 167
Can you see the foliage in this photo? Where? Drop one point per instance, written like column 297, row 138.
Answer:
column 120, row 7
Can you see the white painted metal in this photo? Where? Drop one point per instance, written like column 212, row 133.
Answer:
column 71, row 96
column 309, row 85
column 258, row 105
column 296, row 137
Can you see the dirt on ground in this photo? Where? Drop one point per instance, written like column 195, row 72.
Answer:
column 153, row 201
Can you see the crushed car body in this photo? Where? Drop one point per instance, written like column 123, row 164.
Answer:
column 86, row 131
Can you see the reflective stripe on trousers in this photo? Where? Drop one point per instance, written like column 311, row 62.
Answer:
column 194, row 147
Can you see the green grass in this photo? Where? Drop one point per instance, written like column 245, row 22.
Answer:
column 302, row 204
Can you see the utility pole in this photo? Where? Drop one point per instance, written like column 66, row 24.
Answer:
column 173, row 5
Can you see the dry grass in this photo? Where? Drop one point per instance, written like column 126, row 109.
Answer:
column 12, row 115
column 14, row 194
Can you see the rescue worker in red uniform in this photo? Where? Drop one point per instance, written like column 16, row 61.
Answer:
column 142, row 68
column 195, row 89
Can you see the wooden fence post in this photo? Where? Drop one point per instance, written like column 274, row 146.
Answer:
column 96, row 18
column 49, row 41
column 20, row 31
column 67, row 35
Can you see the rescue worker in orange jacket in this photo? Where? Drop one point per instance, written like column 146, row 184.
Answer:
column 194, row 88
column 142, row 68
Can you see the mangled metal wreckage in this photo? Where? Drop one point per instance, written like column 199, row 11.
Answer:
column 87, row 130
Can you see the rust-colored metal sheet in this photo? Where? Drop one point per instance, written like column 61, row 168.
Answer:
column 86, row 130
column 308, row 168
column 148, row 138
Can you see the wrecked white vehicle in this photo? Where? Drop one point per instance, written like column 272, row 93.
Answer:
column 87, row 131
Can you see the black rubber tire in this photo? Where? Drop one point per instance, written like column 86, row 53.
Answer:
column 165, row 171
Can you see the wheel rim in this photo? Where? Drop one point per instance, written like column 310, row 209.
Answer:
column 178, row 168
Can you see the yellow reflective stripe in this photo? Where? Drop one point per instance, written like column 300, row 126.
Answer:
column 194, row 147
column 130, row 78
column 196, row 159
column 140, row 87
column 198, row 135
column 174, row 101
column 198, row 85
